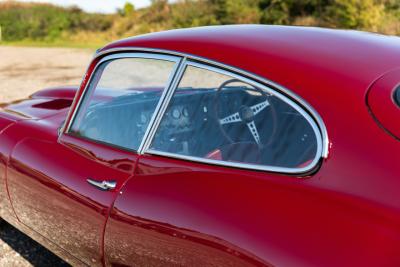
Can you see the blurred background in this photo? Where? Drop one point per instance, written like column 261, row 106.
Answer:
column 50, row 43
column 91, row 23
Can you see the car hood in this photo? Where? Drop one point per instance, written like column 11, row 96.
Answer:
column 40, row 105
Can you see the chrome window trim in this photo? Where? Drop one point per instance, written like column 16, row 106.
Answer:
column 64, row 125
column 274, row 86
column 164, row 102
column 264, row 87
column 183, row 60
column 156, row 56
column 282, row 170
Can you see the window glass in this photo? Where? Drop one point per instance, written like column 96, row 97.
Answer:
column 121, row 99
column 215, row 116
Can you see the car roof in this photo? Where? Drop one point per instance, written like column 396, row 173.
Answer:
column 307, row 60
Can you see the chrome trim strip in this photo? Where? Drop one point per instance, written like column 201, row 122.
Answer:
column 282, row 170
column 64, row 125
column 163, row 103
column 159, row 111
column 294, row 105
column 140, row 55
column 156, row 56
column 275, row 86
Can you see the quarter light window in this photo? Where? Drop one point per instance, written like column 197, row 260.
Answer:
column 218, row 117
column 121, row 99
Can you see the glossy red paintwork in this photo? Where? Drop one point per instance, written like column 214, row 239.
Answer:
column 261, row 218
column 174, row 212
column 67, row 92
column 382, row 104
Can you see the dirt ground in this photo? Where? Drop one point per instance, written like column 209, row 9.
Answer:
column 24, row 71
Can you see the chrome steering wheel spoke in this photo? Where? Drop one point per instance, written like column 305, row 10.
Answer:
column 254, row 132
column 235, row 117
column 259, row 107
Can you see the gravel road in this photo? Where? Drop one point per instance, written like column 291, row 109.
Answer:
column 17, row 249
column 24, row 71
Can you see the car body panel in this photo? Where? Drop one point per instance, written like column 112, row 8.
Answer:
column 6, row 210
column 11, row 114
column 66, row 92
column 171, row 209
column 56, row 200
column 381, row 102
column 44, row 103
column 304, row 59
column 178, row 212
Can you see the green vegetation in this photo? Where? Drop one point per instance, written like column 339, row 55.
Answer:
column 45, row 24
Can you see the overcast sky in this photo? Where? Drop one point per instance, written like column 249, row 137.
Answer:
column 104, row 6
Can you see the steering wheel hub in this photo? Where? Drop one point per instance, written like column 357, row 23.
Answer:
column 246, row 114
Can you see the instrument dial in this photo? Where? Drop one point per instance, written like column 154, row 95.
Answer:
column 176, row 114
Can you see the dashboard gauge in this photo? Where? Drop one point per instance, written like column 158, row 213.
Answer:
column 185, row 112
column 176, row 114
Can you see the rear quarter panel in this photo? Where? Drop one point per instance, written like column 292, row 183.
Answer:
column 346, row 214
column 182, row 213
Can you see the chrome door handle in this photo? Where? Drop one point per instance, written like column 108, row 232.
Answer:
column 103, row 185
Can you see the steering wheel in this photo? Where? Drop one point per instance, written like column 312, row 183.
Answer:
column 246, row 115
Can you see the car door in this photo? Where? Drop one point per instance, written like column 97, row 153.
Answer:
column 62, row 187
column 216, row 180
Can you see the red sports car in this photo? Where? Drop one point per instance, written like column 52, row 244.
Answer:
column 214, row 146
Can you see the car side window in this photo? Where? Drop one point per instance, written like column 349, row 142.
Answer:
column 218, row 116
column 121, row 99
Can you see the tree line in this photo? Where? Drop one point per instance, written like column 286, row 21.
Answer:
column 45, row 22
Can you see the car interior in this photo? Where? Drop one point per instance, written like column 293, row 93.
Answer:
column 193, row 125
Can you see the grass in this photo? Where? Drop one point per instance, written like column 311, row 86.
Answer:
column 58, row 43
